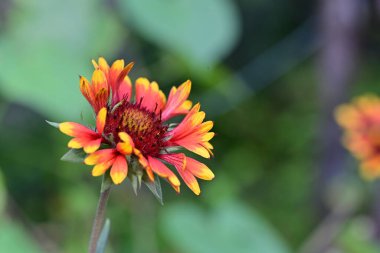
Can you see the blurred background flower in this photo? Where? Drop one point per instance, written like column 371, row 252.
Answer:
column 360, row 121
column 268, row 73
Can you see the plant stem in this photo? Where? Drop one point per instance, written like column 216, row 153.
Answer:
column 100, row 213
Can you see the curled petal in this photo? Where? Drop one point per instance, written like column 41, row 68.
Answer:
column 177, row 101
column 126, row 138
column 126, row 146
column 124, row 73
column 86, row 90
column 101, row 119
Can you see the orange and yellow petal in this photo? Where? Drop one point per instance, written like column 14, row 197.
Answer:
column 75, row 143
column 185, row 107
column 177, row 101
column 119, row 169
column 75, row 129
column 124, row 90
column 91, row 146
column 102, row 65
column 163, row 171
column 144, row 163
column 100, row 156
column 190, row 181
column 192, row 134
column 86, row 90
column 99, row 80
column 88, row 145
column 117, row 67
column 126, row 138
column 126, row 145
column 196, row 148
column 101, row 99
column 142, row 160
column 100, row 168
column 124, row 72
column 101, row 119
column 179, row 161
column 115, row 70
column 199, row 169
column 124, row 148
column 150, row 95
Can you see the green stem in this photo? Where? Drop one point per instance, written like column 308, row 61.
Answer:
column 100, row 213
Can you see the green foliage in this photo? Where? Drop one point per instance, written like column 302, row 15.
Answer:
column 200, row 31
column 2, row 193
column 14, row 239
column 228, row 227
column 357, row 237
column 47, row 44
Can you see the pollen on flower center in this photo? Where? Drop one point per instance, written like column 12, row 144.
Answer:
column 145, row 128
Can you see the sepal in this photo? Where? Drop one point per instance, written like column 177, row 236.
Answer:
column 155, row 188
column 53, row 124
column 74, row 155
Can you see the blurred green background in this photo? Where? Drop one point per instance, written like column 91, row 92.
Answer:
column 269, row 73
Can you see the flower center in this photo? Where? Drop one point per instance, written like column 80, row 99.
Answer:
column 144, row 127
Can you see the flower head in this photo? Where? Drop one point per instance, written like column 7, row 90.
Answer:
column 361, row 123
column 135, row 132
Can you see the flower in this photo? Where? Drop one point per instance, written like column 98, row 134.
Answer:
column 84, row 137
column 134, row 132
column 361, row 123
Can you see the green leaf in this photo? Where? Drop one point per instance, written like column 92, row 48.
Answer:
column 58, row 49
column 357, row 237
column 155, row 188
column 200, row 31
column 228, row 227
column 53, row 124
column 74, row 155
column 102, row 242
